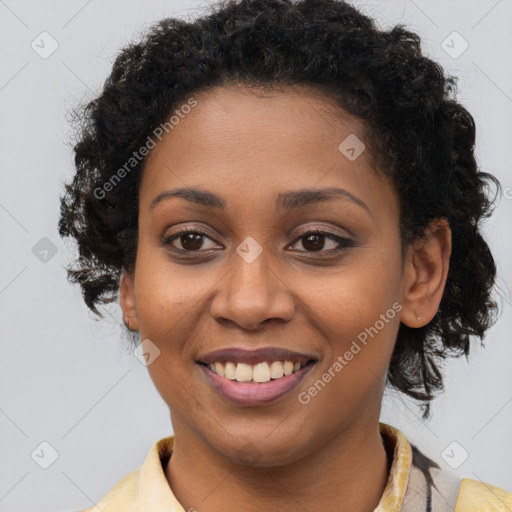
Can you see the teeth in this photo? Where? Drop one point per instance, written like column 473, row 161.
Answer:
column 276, row 370
column 229, row 371
column 287, row 367
column 219, row 369
column 261, row 372
column 243, row 372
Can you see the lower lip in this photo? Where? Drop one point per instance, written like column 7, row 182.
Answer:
column 243, row 393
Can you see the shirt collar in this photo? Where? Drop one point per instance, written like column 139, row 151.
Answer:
column 154, row 492
column 393, row 496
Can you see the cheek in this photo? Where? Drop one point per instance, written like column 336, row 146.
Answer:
column 359, row 319
column 357, row 312
column 354, row 297
column 167, row 302
column 165, row 293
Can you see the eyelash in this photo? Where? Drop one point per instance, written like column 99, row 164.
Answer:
column 345, row 243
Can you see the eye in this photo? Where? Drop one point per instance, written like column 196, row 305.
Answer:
column 314, row 241
column 191, row 240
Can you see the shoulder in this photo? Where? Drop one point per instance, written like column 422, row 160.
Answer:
column 146, row 485
column 476, row 495
column 429, row 487
column 432, row 489
column 120, row 497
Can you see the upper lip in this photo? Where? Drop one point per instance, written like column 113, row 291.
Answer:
column 241, row 355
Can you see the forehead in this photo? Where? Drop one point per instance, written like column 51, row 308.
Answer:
column 246, row 119
column 237, row 140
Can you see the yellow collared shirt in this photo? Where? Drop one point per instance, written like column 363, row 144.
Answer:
column 415, row 484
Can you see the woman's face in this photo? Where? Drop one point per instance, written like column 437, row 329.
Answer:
column 256, row 280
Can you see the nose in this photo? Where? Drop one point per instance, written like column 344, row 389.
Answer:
column 251, row 294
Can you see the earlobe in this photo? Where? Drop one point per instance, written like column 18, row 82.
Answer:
column 425, row 274
column 127, row 301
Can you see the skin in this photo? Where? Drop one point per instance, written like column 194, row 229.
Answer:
column 246, row 146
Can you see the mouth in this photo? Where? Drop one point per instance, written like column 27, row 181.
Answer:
column 257, row 377
column 256, row 373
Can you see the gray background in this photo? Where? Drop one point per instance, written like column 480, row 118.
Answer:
column 70, row 381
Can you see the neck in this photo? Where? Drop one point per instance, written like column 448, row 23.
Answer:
column 347, row 473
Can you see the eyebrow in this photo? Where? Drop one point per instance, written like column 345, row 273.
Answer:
column 291, row 200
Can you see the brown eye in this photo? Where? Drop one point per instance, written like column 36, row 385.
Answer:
column 190, row 240
column 315, row 241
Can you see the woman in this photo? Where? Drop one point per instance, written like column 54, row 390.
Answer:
column 286, row 203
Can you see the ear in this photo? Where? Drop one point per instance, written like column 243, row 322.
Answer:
column 127, row 301
column 425, row 272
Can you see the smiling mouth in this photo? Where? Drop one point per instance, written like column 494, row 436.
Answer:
column 257, row 373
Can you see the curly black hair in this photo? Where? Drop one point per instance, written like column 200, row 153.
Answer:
column 418, row 135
